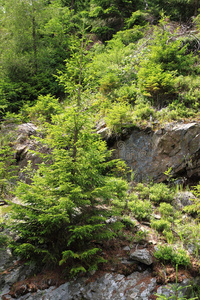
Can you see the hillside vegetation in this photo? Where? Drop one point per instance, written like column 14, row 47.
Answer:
column 68, row 66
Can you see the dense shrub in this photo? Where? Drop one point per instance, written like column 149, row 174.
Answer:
column 167, row 253
column 160, row 225
column 141, row 209
column 159, row 192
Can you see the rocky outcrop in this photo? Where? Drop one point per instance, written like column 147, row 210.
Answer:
column 23, row 140
column 150, row 153
column 137, row 286
column 11, row 271
column 183, row 199
column 142, row 256
column 24, row 143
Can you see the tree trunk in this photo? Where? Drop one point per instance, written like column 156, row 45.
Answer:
column 72, row 4
column 196, row 3
column 34, row 43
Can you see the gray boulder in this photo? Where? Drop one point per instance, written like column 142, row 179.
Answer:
column 142, row 256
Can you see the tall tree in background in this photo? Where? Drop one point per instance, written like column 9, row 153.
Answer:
column 178, row 10
column 33, row 46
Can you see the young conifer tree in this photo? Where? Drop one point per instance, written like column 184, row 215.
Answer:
column 62, row 215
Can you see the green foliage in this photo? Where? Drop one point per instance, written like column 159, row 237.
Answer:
column 142, row 111
column 194, row 209
column 45, row 107
column 4, row 240
column 63, row 208
column 169, row 236
column 128, row 222
column 164, row 61
column 73, row 77
column 143, row 190
column 167, row 253
column 140, row 236
column 108, row 83
column 118, row 117
column 160, row 225
column 141, row 209
column 106, row 17
column 45, row 50
column 139, row 187
column 63, row 212
column 188, row 88
column 179, row 10
column 129, row 36
column 189, row 234
column 88, row 258
column 154, row 82
column 138, row 18
column 180, row 110
column 159, row 192
column 111, row 69
column 166, row 210
column 177, row 291
column 140, row 59
column 34, row 38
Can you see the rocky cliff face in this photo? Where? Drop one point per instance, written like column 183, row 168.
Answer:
column 150, row 153
column 147, row 152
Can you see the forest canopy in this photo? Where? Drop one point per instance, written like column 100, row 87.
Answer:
column 129, row 41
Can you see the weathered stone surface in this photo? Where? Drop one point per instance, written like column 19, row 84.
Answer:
column 182, row 199
column 11, row 271
column 5, row 257
column 26, row 129
column 142, row 256
column 149, row 154
column 127, row 248
column 137, row 286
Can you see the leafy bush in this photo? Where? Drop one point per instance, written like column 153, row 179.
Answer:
column 108, row 83
column 141, row 209
column 160, row 225
column 45, row 107
column 159, row 192
column 138, row 18
column 4, row 239
column 169, row 236
column 140, row 236
column 189, row 234
column 139, row 187
column 128, row 222
column 143, row 190
column 154, row 82
column 130, row 35
column 126, row 93
column 167, row 253
column 142, row 111
column 164, row 62
column 166, row 210
column 194, row 209
column 118, row 117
